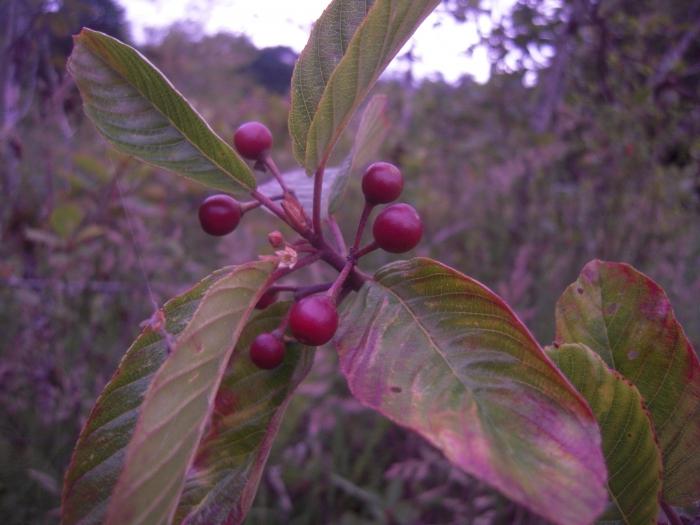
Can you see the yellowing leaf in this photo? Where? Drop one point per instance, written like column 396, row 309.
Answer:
column 626, row 318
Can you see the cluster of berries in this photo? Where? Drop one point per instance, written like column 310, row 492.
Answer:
column 313, row 320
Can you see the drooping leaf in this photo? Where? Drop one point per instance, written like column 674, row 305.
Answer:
column 626, row 318
column 441, row 354
column 180, row 399
column 99, row 454
column 334, row 73
column 248, row 410
column 631, row 453
column 303, row 188
column 371, row 133
column 139, row 111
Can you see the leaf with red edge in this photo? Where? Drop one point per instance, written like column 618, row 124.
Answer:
column 627, row 319
column 438, row 352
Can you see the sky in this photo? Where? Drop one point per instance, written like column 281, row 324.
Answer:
column 439, row 45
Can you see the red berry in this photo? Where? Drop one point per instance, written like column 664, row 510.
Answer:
column 314, row 320
column 382, row 183
column 219, row 214
column 267, row 351
column 268, row 298
column 252, row 139
column 398, row 228
column 276, row 239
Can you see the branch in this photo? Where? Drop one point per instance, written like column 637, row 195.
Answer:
column 673, row 56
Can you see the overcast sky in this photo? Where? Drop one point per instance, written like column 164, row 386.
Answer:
column 440, row 43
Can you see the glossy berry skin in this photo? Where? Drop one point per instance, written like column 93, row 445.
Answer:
column 252, row 140
column 268, row 298
column 382, row 183
column 267, row 351
column 314, row 320
column 398, row 228
column 219, row 214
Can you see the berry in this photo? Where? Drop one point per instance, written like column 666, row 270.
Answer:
column 267, row 351
column 267, row 299
column 276, row 239
column 382, row 183
column 398, row 228
column 219, row 214
column 314, row 320
column 252, row 140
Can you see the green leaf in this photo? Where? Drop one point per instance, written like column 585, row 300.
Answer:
column 180, row 399
column 66, row 218
column 328, row 42
column 248, row 410
column 345, row 55
column 137, row 109
column 438, row 352
column 99, row 454
column 631, row 454
column 626, row 318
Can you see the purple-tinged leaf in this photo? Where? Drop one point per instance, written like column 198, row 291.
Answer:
column 626, row 318
column 440, row 353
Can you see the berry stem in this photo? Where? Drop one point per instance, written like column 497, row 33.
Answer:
column 267, row 202
column 272, row 166
column 367, row 249
column 282, row 327
column 338, row 234
column 366, row 211
column 318, row 192
column 251, row 205
column 340, row 280
column 305, row 291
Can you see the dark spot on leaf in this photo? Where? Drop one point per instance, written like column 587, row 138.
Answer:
column 225, row 402
column 629, row 435
column 396, row 389
column 612, row 309
column 579, row 290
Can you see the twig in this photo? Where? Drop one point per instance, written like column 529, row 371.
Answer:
column 361, row 226
column 338, row 234
column 267, row 202
column 340, row 280
column 367, row 249
column 270, row 165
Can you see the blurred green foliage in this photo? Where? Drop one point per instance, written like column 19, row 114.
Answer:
column 593, row 152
